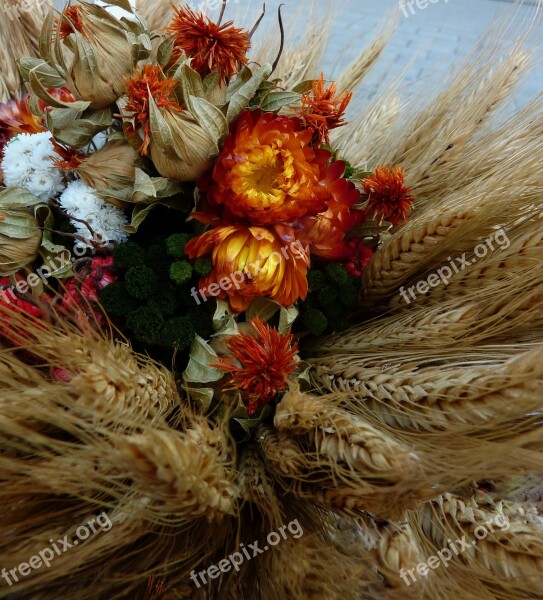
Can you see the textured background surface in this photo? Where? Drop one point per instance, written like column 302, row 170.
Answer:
column 432, row 39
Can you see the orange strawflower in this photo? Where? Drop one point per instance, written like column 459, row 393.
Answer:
column 251, row 262
column 211, row 47
column 261, row 364
column 388, row 198
column 267, row 172
column 321, row 111
column 150, row 81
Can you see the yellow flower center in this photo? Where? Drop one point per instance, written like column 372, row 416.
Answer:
column 266, row 178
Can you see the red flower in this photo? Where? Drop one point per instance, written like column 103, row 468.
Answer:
column 8, row 299
column 360, row 257
column 211, row 47
column 81, row 294
column 325, row 233
column 266, row 360
column 321, row 111
column 388, row 198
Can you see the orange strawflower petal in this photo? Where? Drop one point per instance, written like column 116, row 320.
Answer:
column 252, row 262
column 267, row 171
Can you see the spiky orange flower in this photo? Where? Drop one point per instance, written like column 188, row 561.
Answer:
column 15, row 118
column 265, row 360
column 145, row 83
column 268, row 172
column 71, row 19
column 321, row 111
column 388, row 198
column 250, row 262
column 211, row 47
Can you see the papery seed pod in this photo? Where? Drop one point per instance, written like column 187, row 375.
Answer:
column 97, row 52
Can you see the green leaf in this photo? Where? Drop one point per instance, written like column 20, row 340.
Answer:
column 287, row 316
column 240, row 100
column 85, row 55
column 274, row 101
column 17, row 197
column 236, row 83
column 48, row 76
column 199, row 369
column 164, row 52
column 263, row 308
column 67, row 128
column 141, row 46
column 46, row 37
column 203, row 396
column 211, row 81
column 160, row 130
column 303, row 87
column 224, row 322
column 139, row 214
column 144, row 184
column 191, row 82
column 42, row 92
column 210, row 118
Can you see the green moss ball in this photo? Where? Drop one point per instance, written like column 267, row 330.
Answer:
column 141, row 282
column 181, row 272
column 127, row 255
column 178, row 333
column 315, row 321
column 145, row 323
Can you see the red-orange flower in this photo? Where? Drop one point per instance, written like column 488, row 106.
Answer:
column 250, row 262
column 15, row 118
column 150, row 82
column 321, row 111
column 261, row 365
column 267, row 171
column 388, row 198
column 211, row 47
column 71, row 20
column 326, row 232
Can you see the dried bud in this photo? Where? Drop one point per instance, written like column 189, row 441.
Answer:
column 179, row 146
column 110, row 168
column 194, row 149
column 99, row 54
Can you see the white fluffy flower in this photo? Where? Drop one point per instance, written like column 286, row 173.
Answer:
column 81, row 201
column 27, row 163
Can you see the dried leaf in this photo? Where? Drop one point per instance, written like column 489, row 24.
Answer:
column 240, row 100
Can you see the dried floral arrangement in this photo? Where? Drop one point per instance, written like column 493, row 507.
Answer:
column 202, row 323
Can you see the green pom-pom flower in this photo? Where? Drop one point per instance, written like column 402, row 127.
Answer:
column 337, row 274
column 178, row 333
column 175, row 244
column 116, row 300
column 348, row 296
column 165, row 301
column 141, row 282
column 316, row 280
column 145, row 323
column 203, row 266
column 127, row 255
column 315, row 321
column 327, row 295
column 181, row 272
